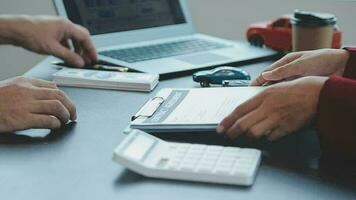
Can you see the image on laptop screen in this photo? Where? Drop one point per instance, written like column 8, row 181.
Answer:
column 109, row 16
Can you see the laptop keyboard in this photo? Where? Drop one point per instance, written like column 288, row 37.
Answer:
column 164, row 50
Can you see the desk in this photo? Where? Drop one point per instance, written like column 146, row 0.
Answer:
column 75, row 163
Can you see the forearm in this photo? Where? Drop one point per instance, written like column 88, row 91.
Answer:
column 336, row 116
column 10, row 28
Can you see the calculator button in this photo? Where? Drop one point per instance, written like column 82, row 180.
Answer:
column 230, row 154
column 180, row 154
column 231, row 150
column 242, row 171
column 176, row 162
column 216, row 149
column 228, row 157
column 192, row 156
column 241, row 166
column 179, row 157
column 184, row 146
column 162, row 163
column 210, row 158
column 196, row 152
column 206, row 169
column 198, row 147
column 173, row 166
column 207, row 163
column 187, row 167
column 223, row 171
column 226, row 162
column 248, row 153
column 173, row 146
column 182, row 151
column 224, row 165
column 190, row 161
column 245, row 160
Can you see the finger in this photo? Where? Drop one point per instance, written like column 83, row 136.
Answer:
column 67, row 55
column 43, row 84
column 276, row 134
column 87, row 59
column 260, row 80
column 240, row 111
column 243, row 124
column 51, row 94
column 66, row 43
column 288, row 71
column 79, row 50
column 263, row 128
column 285, row 60
column 82, row 36
column 51, row 107
column 42, row 121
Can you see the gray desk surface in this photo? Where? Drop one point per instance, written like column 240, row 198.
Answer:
column 75, row 162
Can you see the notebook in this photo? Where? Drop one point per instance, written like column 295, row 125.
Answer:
column 190, row 110
column 106, row 79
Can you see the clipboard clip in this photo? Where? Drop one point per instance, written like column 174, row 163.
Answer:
column 150, row 108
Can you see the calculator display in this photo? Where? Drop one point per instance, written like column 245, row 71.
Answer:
column 138, row 147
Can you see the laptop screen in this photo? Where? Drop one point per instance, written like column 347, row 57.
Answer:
column 109, row 16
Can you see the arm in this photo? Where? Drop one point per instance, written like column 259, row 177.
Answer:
column 336, row 114
column 7, row 31
column 323, row 62
column 49, row 35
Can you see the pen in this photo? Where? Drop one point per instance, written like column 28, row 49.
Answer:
column 94, row 67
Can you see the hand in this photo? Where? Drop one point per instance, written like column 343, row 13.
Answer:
column 278, row 110
column 29, row 103
column 52, row 35
column 324, row 62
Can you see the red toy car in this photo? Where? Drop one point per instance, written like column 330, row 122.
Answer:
column 278, row 34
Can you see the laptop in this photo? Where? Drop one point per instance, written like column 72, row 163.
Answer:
column 153, row 36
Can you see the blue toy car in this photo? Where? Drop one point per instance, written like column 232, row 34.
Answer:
column 220, row 74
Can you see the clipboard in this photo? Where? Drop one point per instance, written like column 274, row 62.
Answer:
column 190, row 110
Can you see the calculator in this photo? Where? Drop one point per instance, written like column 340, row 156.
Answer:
column 152, row 157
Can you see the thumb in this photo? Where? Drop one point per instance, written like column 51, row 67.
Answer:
column 282, row 73
column 67, row 55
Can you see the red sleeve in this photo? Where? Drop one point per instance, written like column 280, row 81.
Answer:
column 336, row 117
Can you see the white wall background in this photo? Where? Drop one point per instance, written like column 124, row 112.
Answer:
column 226, row 18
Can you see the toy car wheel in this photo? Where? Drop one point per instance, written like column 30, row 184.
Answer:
column 256, row 40
column 205, row 83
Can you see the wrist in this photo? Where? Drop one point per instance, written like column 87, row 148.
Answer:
column 11, row 28
column 314, row 84
column 344, row 57
column 318, row 83
column 350, row 69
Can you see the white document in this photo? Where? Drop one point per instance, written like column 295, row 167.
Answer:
column 190, row 109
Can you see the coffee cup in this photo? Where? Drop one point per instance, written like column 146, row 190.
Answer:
column 312, row 31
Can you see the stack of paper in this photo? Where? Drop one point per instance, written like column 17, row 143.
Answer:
column 106, row 79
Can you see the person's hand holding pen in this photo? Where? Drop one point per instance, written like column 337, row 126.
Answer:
column 50, row 35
